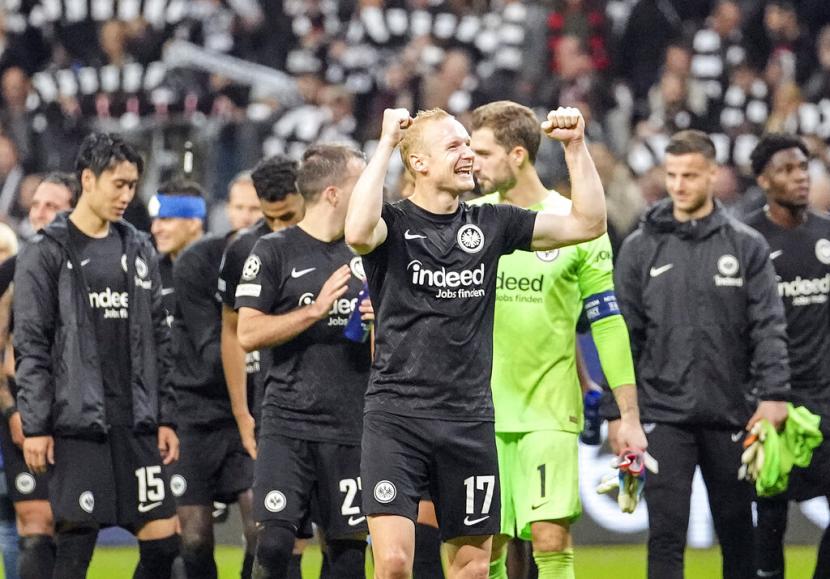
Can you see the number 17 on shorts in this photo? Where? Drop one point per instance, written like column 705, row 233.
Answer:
column 479, row 490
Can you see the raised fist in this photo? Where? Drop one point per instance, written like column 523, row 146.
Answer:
column 565, row 124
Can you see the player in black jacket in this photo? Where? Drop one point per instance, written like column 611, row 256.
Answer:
column 94, row 369
column 707, row 328
column 213, row 464
column 298, row 289
column 799, row 241
column 30, row 493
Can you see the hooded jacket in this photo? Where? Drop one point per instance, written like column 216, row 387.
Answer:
column 60, row 384
column 707, row 326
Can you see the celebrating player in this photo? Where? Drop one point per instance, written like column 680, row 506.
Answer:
column 536, row 391
column 799, row 241
column 30, row 493
column 297, row 291
column 94, row 377
column 431, row 264
column 698, row 294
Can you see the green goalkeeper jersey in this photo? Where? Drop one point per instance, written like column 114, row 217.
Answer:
column 539, row 298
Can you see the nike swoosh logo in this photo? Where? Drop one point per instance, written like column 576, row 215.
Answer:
column 300, row 273
column 737, row 436
column 539, row 506
column 85, row 261
column 356, row 520
column 776, row 254
column 655, row 271
column 470, row 523
column 768, row 573
column 148, row 507
column 407, row 235
column 166, row 291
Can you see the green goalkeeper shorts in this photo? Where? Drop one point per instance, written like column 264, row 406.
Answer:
column 539, row 474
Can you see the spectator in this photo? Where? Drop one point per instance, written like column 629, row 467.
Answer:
column 11, row 175
column 16, row 119
column 818, row 87
column 718, row 48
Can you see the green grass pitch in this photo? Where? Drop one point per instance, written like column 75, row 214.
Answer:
column 617, row 562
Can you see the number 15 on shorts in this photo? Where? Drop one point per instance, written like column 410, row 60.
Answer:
column 479, row 491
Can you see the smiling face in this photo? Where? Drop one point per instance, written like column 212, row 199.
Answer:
column 443, row 158
column 786, row 178
column 690, row 179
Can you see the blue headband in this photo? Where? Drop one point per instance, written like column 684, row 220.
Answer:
column 183, row 206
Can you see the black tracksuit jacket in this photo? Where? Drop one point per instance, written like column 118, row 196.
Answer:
column 707, row 326
column 60, row 387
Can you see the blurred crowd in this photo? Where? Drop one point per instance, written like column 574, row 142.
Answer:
column 240, row 79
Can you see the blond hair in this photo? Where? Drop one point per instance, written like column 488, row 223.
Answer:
column 8, row 239
column 412, row 138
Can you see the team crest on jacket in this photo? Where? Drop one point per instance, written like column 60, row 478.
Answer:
column 251, row 268
column 728, row 265
column 823, row 251
column 470, row 238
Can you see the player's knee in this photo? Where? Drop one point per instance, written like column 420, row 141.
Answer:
column 393, row 564
column 550, row 537
column 195, row 545
column 275, row 543
column 34, row 518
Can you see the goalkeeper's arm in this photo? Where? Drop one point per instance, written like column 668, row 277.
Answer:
column 611, row 338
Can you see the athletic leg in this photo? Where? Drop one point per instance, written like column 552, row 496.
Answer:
column 249, row 531
column 393, row 546
column 730, row 500
column 74, row 546
column 37, row 545
column 427, row 561
column 158, row 547
column 669, row 495
column 772, row 524
column 197, row 540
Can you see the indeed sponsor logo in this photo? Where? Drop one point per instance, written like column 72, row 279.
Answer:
column 722, row 281
column 340, row 310
column 506, row 282
column 115, row 304
column 448, row 281
column 806, row 291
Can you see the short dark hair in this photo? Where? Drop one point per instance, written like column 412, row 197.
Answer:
column 512, row 125
column 67, row 180
column 274, row 178
column 181, row 187
column 691, row 141
column 321, row 166
column 770, row 144
column 102, row 151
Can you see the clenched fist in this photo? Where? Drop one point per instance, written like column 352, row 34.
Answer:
column 565, row 125
column 395, row 123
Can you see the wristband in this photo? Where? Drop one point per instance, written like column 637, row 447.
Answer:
column 9, row 412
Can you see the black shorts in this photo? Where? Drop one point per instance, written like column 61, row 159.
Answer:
column 22, row 484
column 213, row 466
column 455, row 462
column 296, row 480
column 117, row 481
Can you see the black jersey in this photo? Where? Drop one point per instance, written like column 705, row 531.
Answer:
column 234, row 258
column 196, row 327
column 104, row 269
column 230, row 271
column 801, row 257
column 315, row 386
column 432, row 284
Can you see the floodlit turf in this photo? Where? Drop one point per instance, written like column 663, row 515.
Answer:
column 591, row 563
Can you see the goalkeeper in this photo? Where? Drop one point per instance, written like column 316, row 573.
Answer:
column 536, row 391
